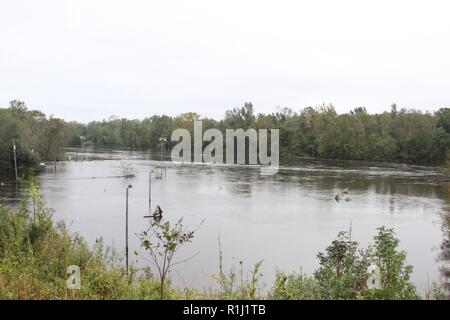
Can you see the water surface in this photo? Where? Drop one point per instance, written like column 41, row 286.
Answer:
column 285, row 219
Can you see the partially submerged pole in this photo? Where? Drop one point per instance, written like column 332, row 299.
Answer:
column 56, row 154
column 150, row 190
column 162, row 157
column 126, row 228
column 163, row 141
column 15, row 160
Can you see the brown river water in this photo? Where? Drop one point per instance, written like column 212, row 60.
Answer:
column 285, row 219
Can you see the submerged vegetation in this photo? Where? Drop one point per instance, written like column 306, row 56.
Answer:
column 35, row 253
column 403, row 135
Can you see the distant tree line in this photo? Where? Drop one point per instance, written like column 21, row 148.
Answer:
column 37, row 137
column 407, row 136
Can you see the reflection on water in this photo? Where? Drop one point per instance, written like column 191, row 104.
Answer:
column 285, row 219
column 445, row 254
column 10, row 190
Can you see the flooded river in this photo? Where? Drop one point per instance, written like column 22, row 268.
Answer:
column 285, row 219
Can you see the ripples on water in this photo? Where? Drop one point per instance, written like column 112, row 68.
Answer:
column 285, row 219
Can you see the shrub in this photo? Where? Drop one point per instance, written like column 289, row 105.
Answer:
column 294, row 287
column 395, row 274
column 233, row 285
column 344, row 269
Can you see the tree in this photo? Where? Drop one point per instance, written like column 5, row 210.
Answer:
column 242, row 118
column 443, row 119
column 18, row 108
column 161, row 241
column 395, row 274
column 344, row 269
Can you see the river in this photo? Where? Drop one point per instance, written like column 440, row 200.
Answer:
column 284, row 219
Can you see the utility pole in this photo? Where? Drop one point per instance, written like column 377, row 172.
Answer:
column 126, row 227
column 150, row 190
column 56, row 156
column 15, row 159
column 163, row 141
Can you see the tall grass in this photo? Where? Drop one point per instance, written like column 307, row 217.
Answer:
column 35, row 253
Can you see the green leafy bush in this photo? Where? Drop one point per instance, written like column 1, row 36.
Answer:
column 295, row 287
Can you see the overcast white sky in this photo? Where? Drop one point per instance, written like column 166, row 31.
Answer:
column 85, row 60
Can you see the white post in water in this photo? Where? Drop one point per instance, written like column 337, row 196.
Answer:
column 15, row 159
column 126, row 227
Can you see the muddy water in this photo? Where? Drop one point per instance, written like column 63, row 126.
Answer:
column 285, row 219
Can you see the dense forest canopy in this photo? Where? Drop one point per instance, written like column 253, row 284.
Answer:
column 403, row 135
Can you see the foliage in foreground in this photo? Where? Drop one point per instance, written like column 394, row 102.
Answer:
column 233, row 285
column 349, row 272
column 161, row 241
column 35, row 253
